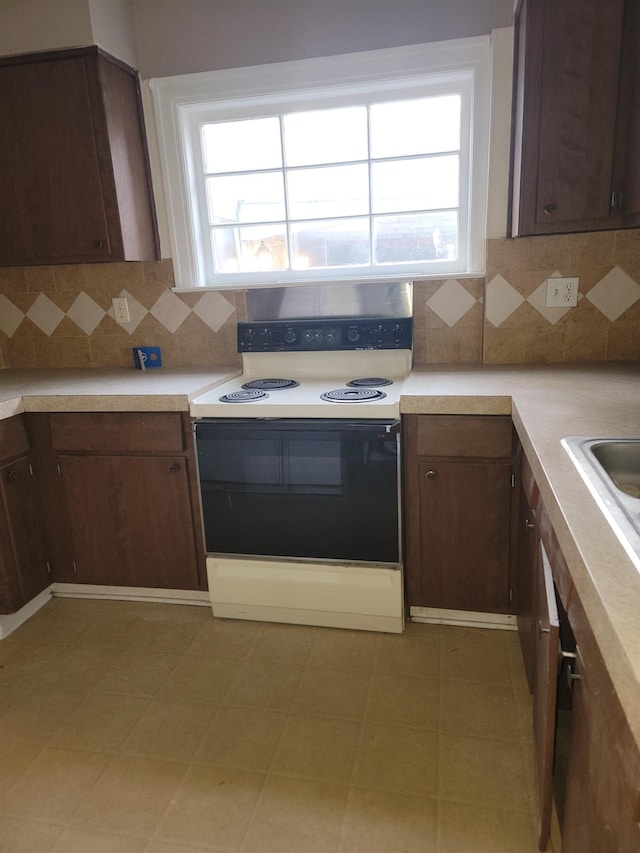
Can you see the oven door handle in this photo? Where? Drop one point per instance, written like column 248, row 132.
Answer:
column 393, row 429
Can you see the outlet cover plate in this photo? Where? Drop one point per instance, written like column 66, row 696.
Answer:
column 562, row 292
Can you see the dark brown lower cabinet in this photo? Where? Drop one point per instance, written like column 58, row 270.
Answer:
column 23, row 558
column 458, row 489
column 122, row 496
column 131, row 524
column 547, row 637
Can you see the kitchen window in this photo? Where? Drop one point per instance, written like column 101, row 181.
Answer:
column 366, row 166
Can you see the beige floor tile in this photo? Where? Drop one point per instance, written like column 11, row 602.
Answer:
column 332, row 692
column 20, row 836
column 130, row 797
column 397, row 759
column 170, row 627
column 482, row 772
column 80, row 668
column 170, row 731
column 212, row 805
column 282, row 644
column 295, row 815
column 38, row 716
column 101, row 722
column 516, row 664
column 138, row 672
column 463, row 828
column 241, row 738
column 15, row 758
column 199, row 679
column 25, row 663
column 259, row 684
column 411, row 655
column 58, row 622
column 317, row 748
column 402, row 700
column 83, row 841
column 341, row 649
column 225, row 638
column 389, row 823
column 524, row 709
column 475, row 654
column 54, row 784
column 478, row 710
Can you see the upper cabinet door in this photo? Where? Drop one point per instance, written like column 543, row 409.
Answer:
column 73, row 161
column 568, row 61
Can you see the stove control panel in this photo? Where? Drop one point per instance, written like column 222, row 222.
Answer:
column 325, row 335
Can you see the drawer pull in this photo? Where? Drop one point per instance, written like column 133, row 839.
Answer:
column 431, row 475
column 174, row 469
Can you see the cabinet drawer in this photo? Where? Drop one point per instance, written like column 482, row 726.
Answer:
column 118, row 432
column 478, row 436
column 13, row 438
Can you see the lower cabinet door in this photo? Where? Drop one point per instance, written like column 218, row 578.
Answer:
column 131, row 520
column 544, row 694
column 465, row 535
column 23, row 561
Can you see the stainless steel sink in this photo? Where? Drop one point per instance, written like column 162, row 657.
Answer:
column 611, row 469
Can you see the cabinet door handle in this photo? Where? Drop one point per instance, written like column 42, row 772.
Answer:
column 174, row 469
column 572, row 676
column 431, row 475
column 12, row 476
column 550, row 208
column 542, row 630
column 98, row 244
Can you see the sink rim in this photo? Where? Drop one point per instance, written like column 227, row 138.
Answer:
column 619, row 508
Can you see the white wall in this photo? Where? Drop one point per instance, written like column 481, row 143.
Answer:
column 31, row 25
column 185, row 36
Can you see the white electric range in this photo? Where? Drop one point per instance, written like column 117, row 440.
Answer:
column 299, row 466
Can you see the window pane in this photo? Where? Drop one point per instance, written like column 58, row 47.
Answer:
column 334, row 243
column 250, row 249
column 246, row 198
column 422, row 126
column 332, row 191
column 417, row 237
column 238, row 146
column 325, row 136
column 415, row 184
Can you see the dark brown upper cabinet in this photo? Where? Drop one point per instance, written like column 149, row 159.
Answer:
column 74, row 168
column 576, row 116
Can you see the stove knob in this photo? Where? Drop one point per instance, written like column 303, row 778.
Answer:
column 290, row 336
column 353, row 335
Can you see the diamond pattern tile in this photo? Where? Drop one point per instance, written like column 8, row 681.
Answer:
column 501, row 300
column 86, row 313
column 170, row 311
column 214, row 310
column 451, row 302
column 10, row 316
column 614, row 294
column 45, row 314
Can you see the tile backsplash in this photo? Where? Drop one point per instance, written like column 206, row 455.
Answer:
column 62, row 316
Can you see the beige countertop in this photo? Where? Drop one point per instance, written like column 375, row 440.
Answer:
column 97, row 390
column 548, row 403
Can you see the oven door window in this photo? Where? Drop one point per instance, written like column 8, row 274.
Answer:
column 320, row 492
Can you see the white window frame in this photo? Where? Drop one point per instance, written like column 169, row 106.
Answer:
column 183, row 102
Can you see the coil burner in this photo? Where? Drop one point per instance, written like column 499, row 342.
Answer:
column 246, row 396
column 369, row 382
column 271, row 384
column 352, row 395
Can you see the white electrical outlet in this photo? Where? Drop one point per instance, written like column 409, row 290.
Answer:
column 121, row 309
column 562, row 292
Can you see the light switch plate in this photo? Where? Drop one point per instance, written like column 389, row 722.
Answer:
column 562, row 292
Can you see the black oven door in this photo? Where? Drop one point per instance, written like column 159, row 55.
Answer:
column 316, row 489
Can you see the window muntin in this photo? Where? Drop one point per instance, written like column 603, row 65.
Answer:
column 317, row 193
